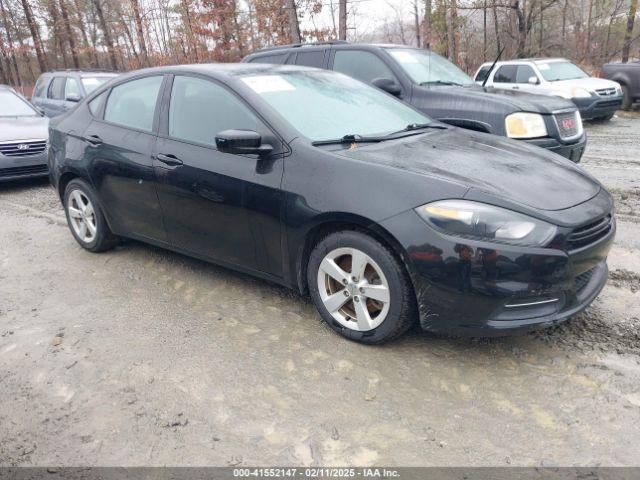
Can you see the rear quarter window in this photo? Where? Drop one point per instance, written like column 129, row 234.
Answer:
column 40, row 88
column 482, row 73
column 310, row 59
column 275, row 58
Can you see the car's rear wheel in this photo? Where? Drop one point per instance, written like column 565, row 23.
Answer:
column 360, row 288
column 627, row 101
column 85, row 218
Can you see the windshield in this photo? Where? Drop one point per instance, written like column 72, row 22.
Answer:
column 11, row 105
column 91, row 83
column 554, row 71
column 426, row 67
column 327, row 105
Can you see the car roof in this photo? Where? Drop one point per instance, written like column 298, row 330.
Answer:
column 336, row 44
column 82, row 72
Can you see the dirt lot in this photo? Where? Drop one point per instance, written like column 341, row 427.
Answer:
column 144, row 357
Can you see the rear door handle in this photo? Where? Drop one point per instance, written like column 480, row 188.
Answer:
column 516, row 88
column 93, row 139
column 169, row 159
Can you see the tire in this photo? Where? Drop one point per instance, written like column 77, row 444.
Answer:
column 82, row 207
column 370, row 320
column 604, row 119
column 627, row 101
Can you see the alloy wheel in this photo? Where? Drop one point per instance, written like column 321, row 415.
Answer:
column 82, row 216
column 354, row 289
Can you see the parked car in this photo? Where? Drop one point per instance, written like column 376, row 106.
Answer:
column 597, row 98
column 438, row 88
column 23, row 137
column 57, row 92
column 321, row 183
column 628, row 76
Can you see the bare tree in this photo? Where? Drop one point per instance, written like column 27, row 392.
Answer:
column 107, row 34
column 140, row 32
column 294, row 26
column 69, row 32
column 12, row 52
column 35, row 35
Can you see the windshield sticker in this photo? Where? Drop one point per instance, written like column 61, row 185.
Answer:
column 543, row 66
column 404, row 57
column 268, row 84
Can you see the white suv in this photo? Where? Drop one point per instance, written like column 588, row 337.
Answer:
column 596, row 98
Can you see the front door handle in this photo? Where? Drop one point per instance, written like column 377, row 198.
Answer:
column 169, row 159
column 516, row 88
column 93, row 139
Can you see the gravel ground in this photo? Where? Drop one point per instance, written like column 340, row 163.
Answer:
column 144, row 357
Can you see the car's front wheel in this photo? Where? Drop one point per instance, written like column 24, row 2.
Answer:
column 360, row 288
column 85, row 218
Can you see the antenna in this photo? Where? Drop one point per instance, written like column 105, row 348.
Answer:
column 493, row 65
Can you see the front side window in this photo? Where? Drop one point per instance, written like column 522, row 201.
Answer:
column 56, row 88
column 71, row 88
column 133, row 104
column 325, row 105
column 91, row 83
column 11, row 105
column 365, row 66
column 555, row 71
column 506, row 74
column 425, row 67
column 200, row 109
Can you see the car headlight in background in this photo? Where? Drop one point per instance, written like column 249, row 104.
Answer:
column 485, row 222
column 577, row 92
column 525, row 125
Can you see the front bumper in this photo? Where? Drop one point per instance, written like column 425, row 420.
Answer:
column 598, row 107
column 572, row 150
column 14, row 168
column 466, row 287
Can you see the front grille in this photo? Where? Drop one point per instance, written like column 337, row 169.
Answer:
column 27, row 170
column 568, row 124
column 587, row 234
column 23, row 149
column 606, row 92
column 582, row 280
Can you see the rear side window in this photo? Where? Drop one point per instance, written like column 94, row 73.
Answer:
column 275, row 58
column 364, row 66
column 505, row 74
column 482, row 73
column 525, row 72
column 41, row 88
column 56, row 88
column 133, row 104
column 200, row 109
column 311, row 59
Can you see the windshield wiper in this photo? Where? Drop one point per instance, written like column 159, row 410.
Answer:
column 440, row 82
column 356, row 138
column 350, row 138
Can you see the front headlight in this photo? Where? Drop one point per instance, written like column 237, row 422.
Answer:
column 525, row 125
column 480, row 221
column 577, row 92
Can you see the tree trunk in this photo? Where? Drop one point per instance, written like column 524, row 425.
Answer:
column 140, row 32
column 633, row 8
column 564, row 25
column 294, row 26
column 342, row 19
column 496, row 27
column 88, row 47
column 69, row 32
column 193, row 43
column 426, row 32
column 35, row 35
column 107, row 35
column 12, row 53
column 453, row 40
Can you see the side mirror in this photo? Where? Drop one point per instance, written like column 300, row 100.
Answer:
column 73, row 97
column 387, row 85
column 533, row 80
column 241, row 142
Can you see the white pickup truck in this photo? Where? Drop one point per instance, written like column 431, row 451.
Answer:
column 596, row 98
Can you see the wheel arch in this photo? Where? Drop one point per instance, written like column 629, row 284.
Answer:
column 336, row 222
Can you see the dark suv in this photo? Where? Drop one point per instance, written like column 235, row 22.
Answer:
column 437, row 87
column 57, row 92
column 628, row 76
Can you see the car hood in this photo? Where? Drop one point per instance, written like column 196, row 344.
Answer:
column 510, row 100
column 589, row 83
column 514, row 171
column 23, row 128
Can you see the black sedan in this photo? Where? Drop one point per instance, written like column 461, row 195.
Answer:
column 316, row 181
